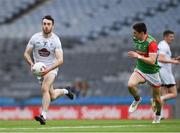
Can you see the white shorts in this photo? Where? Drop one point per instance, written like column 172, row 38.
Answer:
column 152, row 79
column 55, row 72
column 167, row 77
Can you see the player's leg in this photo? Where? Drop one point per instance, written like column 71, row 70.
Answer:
column 56, row 93
column 134, row 80
column 155, row 81
column 158, row 103
column 164, row 91
column 169, row 89
column 45, row 87
column 171, row 92
column 168, row 92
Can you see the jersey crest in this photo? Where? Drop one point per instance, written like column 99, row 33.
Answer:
column 44, row 52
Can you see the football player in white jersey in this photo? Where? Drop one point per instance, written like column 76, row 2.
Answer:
column 168, row 87
column 46, row 48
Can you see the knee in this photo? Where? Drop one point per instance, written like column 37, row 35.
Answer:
column 131, row 85
column 44, row 89
column 53, row 96
column 175, row 94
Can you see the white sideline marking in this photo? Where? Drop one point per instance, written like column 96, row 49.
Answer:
column 65, row 127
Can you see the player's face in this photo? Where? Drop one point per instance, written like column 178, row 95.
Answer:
column 170, row 38
column 138, row 35
column 47, row 26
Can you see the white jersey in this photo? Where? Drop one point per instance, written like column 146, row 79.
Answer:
column 163, row 48
column 44, row 48
column 166, row 68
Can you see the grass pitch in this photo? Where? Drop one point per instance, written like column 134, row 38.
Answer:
column 89, row 126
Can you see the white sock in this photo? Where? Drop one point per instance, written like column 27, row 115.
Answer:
column 158, row 117
column 44, row 113
column 162, row 112
column 65, row 91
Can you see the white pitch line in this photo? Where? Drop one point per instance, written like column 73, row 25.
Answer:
column 66, row 127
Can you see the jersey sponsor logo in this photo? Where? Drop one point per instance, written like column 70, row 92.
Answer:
column 44, row 52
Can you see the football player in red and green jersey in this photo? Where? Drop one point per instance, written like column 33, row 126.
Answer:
column 147, row 69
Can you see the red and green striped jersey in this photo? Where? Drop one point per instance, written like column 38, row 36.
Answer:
column 144, row 48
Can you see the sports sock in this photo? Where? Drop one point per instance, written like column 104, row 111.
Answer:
column 44, row 113
column 158, row 117
column 158, row 113
column 162, row 112
column 65, row 91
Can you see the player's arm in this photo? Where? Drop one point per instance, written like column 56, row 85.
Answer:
column 58, row 62
column 177, row 58
column 28, row 51
column 59, row 59
column 151, row 59
column 162, row 58
column 27, row 55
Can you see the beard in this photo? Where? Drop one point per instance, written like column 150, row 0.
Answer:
column 46, row 31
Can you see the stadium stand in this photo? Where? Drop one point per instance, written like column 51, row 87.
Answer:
column 12, row 10
column 103, row 31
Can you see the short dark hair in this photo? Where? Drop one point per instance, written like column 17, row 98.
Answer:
column 49, row 18
column 140, row 27
column 167, row 32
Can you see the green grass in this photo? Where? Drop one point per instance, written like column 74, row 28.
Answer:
column 90, row 126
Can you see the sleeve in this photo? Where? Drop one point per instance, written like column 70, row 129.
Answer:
column 58, row 44
column 31, row 42
column 161, row 49
column 152, row 48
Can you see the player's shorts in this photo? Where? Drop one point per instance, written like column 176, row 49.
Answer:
column 167, row 77
column 152, row 79
column 54, row 72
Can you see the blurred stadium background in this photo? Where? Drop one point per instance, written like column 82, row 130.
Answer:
column 95, row 35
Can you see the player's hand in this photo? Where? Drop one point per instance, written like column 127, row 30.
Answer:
column 177, row 58
column 44, row 72
column 176, row 61
column 32, row 67
column 133, row 54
